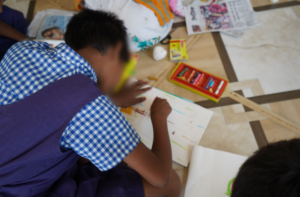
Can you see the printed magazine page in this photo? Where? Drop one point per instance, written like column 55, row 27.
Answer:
column 226, row 15
column 53, row 27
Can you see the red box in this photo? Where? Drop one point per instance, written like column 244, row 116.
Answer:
column 199, row 84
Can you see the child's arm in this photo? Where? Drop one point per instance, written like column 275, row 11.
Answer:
column 9, row 32
column 155, row 166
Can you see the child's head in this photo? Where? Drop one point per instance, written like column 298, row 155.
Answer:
column 273, row 171
column 101, row 38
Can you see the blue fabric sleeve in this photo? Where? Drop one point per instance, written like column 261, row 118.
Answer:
column 100, row 133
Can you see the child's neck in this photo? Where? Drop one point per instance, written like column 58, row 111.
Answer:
column 93, row 57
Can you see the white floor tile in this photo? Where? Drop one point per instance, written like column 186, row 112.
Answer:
column 270, row 52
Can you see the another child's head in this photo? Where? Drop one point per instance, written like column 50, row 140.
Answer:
column 273, row 171
column 105, row 37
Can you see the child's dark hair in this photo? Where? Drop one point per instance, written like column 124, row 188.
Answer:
column 98, row 29
column 273, row 171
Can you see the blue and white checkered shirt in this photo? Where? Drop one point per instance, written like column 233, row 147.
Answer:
column 98, row 132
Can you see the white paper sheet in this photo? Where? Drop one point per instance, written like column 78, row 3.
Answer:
column 211, row 172
column 186, row 123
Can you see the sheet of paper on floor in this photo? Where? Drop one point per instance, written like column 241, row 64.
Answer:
column 212, row 172
column 186, row 123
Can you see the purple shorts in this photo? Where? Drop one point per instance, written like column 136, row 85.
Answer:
column 120, row 181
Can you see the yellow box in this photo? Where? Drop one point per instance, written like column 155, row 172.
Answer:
column 178, row 50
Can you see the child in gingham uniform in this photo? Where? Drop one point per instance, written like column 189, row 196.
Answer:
column 27, row 68
column 98, row 132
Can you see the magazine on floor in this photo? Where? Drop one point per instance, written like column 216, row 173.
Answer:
column 50, row 26
column 53, row 27
column 220, row 16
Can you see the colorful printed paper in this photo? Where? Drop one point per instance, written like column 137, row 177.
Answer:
column 53, row 27
column 178, row 50
column 219, row 16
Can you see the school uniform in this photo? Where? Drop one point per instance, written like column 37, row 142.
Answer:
column 16, row 20
column 52, row 112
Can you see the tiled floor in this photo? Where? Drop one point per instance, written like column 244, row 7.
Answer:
column 262, row 52
column 289, row 109
column 230, row 129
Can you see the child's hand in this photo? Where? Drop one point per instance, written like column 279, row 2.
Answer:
column 160, row 109
column 127, row 96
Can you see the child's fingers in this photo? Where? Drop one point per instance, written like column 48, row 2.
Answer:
column 141, row 84
column 137, row 82
column 141, row 91
column 138, row 100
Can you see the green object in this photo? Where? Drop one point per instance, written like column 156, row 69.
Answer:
column 182, row 72
column 179, row 160
column 128, row 71
column 169, row 96
column 229, row 186
column 178, row 144
column 189, row 109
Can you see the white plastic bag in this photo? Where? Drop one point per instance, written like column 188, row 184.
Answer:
column 142, row 24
